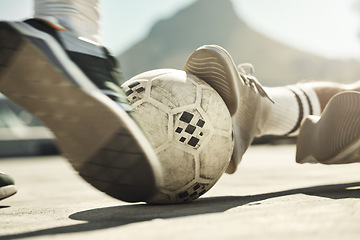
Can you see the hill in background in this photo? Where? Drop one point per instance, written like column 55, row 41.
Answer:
column 172, row 40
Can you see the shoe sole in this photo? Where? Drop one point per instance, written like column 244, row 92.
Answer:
column 213, row 64
column 98, row 138
column 335, row 137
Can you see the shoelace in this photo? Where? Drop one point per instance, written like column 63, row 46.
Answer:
column 251, row 81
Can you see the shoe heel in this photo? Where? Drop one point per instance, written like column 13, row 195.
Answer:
column 306, row 140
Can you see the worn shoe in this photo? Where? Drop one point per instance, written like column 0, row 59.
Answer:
column 241, row 92
column 72, row 86
column 333, row 138
column 7, row 187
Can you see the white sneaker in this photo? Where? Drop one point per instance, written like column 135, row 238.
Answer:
column 333, row 138
column 241, row 92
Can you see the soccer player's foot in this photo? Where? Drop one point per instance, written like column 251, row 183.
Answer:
column 241, row 92
column 334, row 137
column 72, row 85
column 7, row 187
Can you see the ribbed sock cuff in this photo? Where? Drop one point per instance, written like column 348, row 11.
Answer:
column 292, row 104
column 309, row 99
column 279, row 117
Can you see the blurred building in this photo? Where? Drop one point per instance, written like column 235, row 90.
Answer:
column 22, row 134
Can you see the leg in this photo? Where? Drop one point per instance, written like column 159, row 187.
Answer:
column 255, row 110
column 248, row 102
column 77, row 16
column 326, row 90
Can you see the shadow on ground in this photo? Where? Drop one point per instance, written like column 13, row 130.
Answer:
column 108, row 217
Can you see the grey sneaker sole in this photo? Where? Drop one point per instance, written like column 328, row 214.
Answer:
column 99, row 139
column 7, row 191
column 335, row 137
column 212, row 64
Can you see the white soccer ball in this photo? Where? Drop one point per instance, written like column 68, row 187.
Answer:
column 188, row 125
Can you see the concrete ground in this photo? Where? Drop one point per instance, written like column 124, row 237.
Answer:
column 270, row 197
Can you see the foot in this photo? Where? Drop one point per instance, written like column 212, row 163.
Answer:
column 7, row 187
column 241, row 92
column 333, row 138
column 72, row 86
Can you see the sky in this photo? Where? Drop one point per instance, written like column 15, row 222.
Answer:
column 329, row 28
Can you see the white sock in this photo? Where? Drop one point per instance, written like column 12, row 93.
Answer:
column 77, row 16
column 292, row 104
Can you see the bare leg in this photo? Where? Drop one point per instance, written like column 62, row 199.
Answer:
column 326, row 90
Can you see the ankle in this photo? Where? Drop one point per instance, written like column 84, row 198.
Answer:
column 272, row 121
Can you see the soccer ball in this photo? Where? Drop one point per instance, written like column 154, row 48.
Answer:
column 188, row 125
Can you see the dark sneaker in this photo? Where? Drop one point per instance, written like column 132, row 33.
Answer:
column 7, row 187
column 62, row 80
